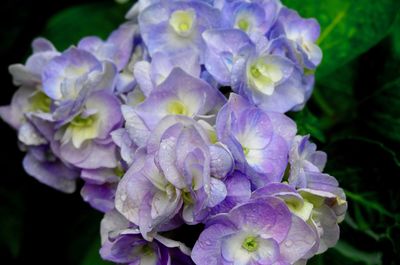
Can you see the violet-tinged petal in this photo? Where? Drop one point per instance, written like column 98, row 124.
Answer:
column 52, row 173
column 218, row 192
column 131, row 190
column 62, row 72
column 180, row 94
column 233, row 251
column 126, row 145
column 142, row 73
column 176, row 27
column 238, row 191
column 13, row 114
column 173, row 244
column 100, row 197
column 42, row 45
column 299, row 241
column 108, row 111
column 207, row 248
column 135, row 126
column 304, row 34
column 163, row 64
column 283, row 126
column 223, row 49
column 118, row 47
column 221, row 162
column 304, row 158
column 99, row 176
column 91, row 155
column 325, row 219
column 267, row 216
column 28, row 135
column 112, row 224
column 248, row 132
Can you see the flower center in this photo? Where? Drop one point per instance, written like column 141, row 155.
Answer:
column 182, row 22
column 147, row 250
column 246, row 151
column 255, row 72
column 79, row 121
column 119, row 171
column 250, row 244
column 243, row 24
column 177, row 108
column 263, row 75
column 40, row 102
column 187, row 198
column 80, row 129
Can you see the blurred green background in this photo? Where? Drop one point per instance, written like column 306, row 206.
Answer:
column 353, row 115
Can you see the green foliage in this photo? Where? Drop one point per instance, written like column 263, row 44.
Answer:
column 344, row 253
column 308, row 123
column 96, row 19
column 396, row 37
column 365, row 168
column 385, row 117
column 348, row 27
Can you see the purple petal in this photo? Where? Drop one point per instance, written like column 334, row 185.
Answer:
column 52, row 173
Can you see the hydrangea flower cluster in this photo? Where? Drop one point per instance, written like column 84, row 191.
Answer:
column 142, row 120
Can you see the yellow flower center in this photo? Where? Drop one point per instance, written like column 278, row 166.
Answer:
column 40, row 102
column 250, row 244
column 177, row 108
column 243, row 24
column 182, row 22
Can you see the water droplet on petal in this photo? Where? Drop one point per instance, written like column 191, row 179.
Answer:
column 288, row 243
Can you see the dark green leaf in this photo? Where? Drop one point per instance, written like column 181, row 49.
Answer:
column 69, row 26
column 396, row 36
column 334, row 93
column 344, row 253
column 308, row 123
column 365, row 168
column 349, row 27
column 384, row 113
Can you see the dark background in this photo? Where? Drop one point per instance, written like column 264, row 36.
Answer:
column 353, row 115
column 38, row 224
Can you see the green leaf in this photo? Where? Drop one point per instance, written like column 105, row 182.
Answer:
column 356, row 255
column 348, row 27
column 396, row 36
column 308, row 123
column 70, row 25
column 383, row 116
column 367, row 170
column 93, row 256
column 334, row 93
column 345, row 253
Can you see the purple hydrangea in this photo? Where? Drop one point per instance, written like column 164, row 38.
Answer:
column 175, row 27
column 122, row 243
column 179, row 172
column 260, row 231
column 176, row 123
column 258, row 140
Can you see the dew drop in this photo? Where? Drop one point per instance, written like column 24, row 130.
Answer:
column 288, row 243
column 205, row 243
